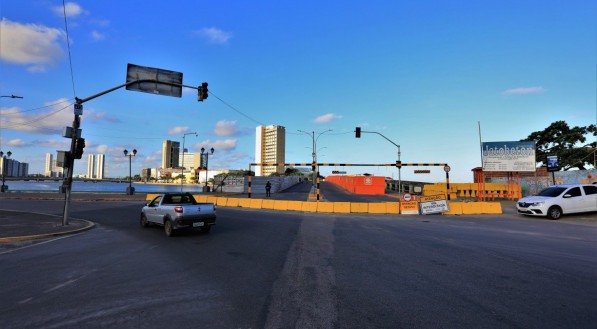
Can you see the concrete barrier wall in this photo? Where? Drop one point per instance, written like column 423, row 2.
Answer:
column 391, row 208
column 279, row 183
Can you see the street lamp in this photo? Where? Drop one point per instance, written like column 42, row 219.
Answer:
column 182, row 165
column 314, row 150
column 8, row 154
column 205, row 155
column 130, row 190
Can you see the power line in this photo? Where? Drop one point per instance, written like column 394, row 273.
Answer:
column 235, row 109
column 46, row 106
column 70, row 61
column 37, row 119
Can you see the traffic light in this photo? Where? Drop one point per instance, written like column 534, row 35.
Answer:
column 399, row 164
column 357, row 132
column 202, row 90
column 79, row 146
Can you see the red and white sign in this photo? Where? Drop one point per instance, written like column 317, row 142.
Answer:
column 368, row 181
column 407, row 197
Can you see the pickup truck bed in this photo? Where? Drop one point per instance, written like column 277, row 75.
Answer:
column 177, row 211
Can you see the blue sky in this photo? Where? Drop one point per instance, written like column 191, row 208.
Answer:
column 422, row 73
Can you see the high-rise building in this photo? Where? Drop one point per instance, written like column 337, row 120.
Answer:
column 49, row 165
column 270, row 147
column 170, row 152
column 91, row 166
column 99, row 168
column 189, row 160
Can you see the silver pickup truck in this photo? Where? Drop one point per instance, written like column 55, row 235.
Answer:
column 177, row 211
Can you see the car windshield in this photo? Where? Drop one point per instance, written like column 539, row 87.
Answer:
column 552, row 191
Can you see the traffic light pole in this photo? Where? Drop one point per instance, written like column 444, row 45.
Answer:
column 68, row 178
column 398, row 163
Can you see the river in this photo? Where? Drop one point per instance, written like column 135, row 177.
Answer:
column 99, row 187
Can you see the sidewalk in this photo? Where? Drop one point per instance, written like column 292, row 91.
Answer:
column 16, row 226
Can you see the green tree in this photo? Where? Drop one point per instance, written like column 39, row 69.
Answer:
column 566, row 143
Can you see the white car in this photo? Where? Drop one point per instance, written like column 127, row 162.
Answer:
column 557, row 200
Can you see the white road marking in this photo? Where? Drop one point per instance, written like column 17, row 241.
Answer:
column 39, row 243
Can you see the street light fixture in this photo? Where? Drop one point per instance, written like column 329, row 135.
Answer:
column 314, row 149
column 205, row 155
column 130, row 190
column 8, row 154
column 182, row 165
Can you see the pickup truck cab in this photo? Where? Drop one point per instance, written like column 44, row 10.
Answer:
column 175, row 211
column 557, row 200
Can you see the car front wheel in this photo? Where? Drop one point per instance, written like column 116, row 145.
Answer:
column 143, row 221
column 554, row 212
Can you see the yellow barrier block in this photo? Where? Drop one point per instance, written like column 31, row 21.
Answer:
column 393, row 208
column 267, row 204
column 325, row 206
column 212, row 199
column 309, row 206
column 342, row 207
column 356, row 207
column 472, row 208
column 221, row 201
column 149, row 197
column 491, row 207
column 255, row 203
column 295, row 205
column 280, row 205
column 200, row 198
column 245, row 203
column 377, row 208
column 232, row 202
column 454, row 208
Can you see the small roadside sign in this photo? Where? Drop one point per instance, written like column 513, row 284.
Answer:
column 409, row 207
column 433, row 204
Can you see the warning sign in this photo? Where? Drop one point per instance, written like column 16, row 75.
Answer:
column 409, row 207
column 433, row 204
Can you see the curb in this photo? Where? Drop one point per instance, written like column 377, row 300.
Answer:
column 12, row 239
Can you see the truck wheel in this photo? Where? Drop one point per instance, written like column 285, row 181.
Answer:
column 143, row 221
column 554, row 212
column 205, row 229
column 168, row 229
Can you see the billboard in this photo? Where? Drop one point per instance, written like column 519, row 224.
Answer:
column 508, row 156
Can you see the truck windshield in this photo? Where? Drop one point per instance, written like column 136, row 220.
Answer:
column 180, row 199
column 552, row 191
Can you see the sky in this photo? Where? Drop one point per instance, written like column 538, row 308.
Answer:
column 425, row 74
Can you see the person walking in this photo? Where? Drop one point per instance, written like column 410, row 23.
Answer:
column 268, row 188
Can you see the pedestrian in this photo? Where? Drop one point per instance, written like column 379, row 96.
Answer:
column 268, row 188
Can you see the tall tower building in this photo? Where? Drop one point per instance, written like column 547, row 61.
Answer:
column 91, row 166
column 48, row 166
column 170, row 152
column 270, row 147
column 99, row 168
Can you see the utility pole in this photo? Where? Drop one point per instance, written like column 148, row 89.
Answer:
column 314, row 139
column 358, row 132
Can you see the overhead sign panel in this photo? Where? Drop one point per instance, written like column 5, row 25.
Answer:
column 508, row 156
column 153, row 80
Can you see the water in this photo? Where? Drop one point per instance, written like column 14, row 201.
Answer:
column 99, row 187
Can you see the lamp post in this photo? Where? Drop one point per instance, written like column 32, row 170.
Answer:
column 130, row 190
column 314, row 148
column 205, row 155
column 182, row 165
column 8, row 154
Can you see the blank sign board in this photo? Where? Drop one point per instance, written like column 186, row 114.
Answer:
column 154, row 81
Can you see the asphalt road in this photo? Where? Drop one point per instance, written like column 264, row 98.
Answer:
column 263, row 269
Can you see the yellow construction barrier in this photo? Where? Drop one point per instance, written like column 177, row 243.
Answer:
column 472, row 208
column 393, row 208
column 255, row 203
column 280, row 205
column 309, row 206
column 245, row 203
column 359, row 207
column 454, row 208
column 221, row 202
column 491, row 207
column 200, row 198
column 295, row 205
column 377, row 208
column 212, row 199
column 342, row 207
column 232, row 202
column 325, row 206
column 150, row 196
column 267, row 204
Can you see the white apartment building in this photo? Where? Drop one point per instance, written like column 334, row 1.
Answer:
column 270, row 147
column 100, row 165
column 49, row 165
column 91, row 166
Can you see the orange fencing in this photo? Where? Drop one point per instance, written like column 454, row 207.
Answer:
column 369, row 185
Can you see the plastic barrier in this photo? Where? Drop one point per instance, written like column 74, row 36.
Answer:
column 377, row 208
column 491, row 207
column 280, row 205
column 471, row 208
column 255, row 203
column 267, row 204
column 245, row 203
column 359, row 207
column 232, row 202
column 325, row 206
column 392, row 208
column 342, row 207
column 221, row 202
column 454, row 208
column 295, row 205
column 309, row 206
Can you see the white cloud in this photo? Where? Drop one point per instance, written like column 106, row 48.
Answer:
column 225, row 128
column 17, row 142
column 97, row 36
column 101, row 149
column 178, row 130
column 57, row 144
column 219, row 145
column 214, row 35
column 30, row 44
column 327, row 118
column 523, row 91
column 72, row 9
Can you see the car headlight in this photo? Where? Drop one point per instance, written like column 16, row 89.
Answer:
column 536, row 204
